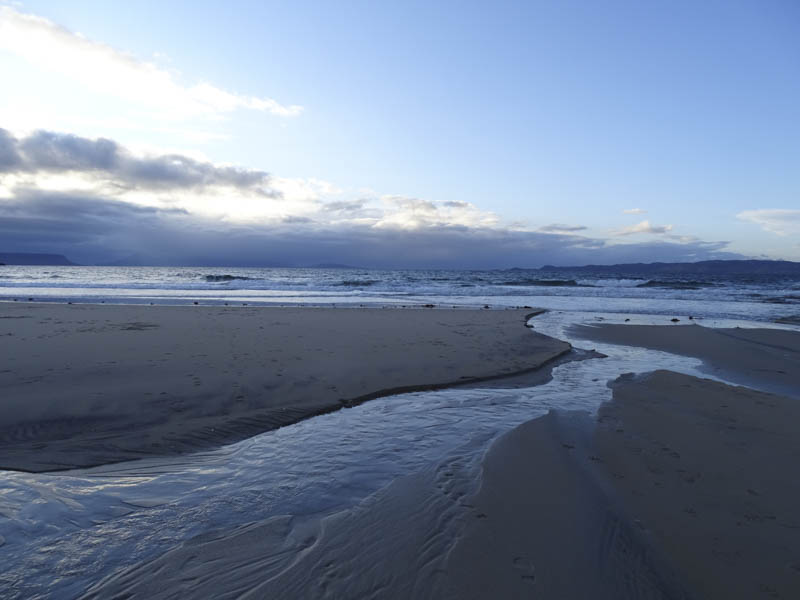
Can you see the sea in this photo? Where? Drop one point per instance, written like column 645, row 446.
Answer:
column 63, row 534
column 757, row 298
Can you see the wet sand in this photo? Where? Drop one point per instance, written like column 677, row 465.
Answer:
column 543, row 526
column 763, row 358
column 678, row 488
column 682, row 488
column 710, row 472
column 85, row 385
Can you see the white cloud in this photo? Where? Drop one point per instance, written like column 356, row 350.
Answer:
column 644, row 227
column 51, row 162
column 107, row 70
column 400, row 212
column 634, row 211
column 781, row 221
column 307, row 190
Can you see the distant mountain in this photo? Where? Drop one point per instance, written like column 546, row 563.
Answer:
column 705, row 267
column 26, row 258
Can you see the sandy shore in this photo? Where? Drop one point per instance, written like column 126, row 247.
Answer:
column 678, row 488
column 763, row 358
column 709, row 472
column 88, row 384
column 543, row 527
column 685, row 488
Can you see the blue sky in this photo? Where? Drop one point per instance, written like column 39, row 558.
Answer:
column 491, row 120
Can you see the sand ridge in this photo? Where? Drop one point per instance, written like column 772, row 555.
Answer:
column 84, row 385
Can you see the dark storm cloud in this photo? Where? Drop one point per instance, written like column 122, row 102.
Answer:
column 56, row 152
column 90, row 229
column 49, row 151
column 34, row 219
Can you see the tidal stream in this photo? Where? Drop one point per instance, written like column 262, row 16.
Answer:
column 62, row 532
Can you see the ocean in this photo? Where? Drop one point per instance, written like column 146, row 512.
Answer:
column 759, row 298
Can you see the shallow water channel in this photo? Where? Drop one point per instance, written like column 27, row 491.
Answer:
column 63, row 532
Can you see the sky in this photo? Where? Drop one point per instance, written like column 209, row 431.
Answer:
column 411, row 134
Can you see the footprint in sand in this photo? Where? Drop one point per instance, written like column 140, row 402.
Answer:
column 525, row 568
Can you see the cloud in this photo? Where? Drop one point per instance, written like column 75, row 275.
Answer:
column 97, row 202
column 559, row 228
column 92, row 229
column 345, row 206
column 9, row 157
column 401, row 212
column 634, row 211
column 305, row 188
column 104, row 69
column 781, row 221
column 67, row 163
column 49, row 152
column 644, row 227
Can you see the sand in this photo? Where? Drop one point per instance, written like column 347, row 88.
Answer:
column 392, row 545
column 543, row 527
column 710, row 472
column 763, row 358
column 678, row 488
column 84, row 385
column 684, row 488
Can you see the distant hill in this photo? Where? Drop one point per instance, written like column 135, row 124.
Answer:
column 705, row 267
column 26, row 258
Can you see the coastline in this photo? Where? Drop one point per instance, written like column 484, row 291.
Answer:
column 678, row 488
column 87, row 385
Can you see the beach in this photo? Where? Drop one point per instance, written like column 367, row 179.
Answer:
column 86, row 385
column 679, row 487
column 676, row 486
column 399, row 301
